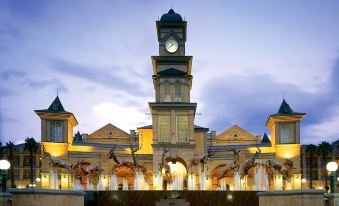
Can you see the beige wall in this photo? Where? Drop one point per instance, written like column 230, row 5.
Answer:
column 43, row 197
column 292, row 197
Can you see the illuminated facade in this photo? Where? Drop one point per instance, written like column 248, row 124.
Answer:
column 173, row 127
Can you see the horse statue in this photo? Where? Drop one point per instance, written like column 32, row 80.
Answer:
column 243, row 170
column 233, row 165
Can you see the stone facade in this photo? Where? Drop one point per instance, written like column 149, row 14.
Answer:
column 173, row 117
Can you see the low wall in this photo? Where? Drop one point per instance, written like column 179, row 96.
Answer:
column 292, row 197
column 5, row 199
column 166, row 198
column 46, row 197
column 331, row 199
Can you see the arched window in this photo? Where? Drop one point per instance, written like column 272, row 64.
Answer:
column 178, row 92
column 167, row 92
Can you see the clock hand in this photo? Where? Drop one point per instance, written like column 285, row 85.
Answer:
column 170, row 45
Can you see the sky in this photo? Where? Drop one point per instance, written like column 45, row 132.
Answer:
column 97, row 54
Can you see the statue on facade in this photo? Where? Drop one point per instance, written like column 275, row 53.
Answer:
column 243, row 170
column 120, row 163
column 231, row 166
column 164, row 164
column 200, row 159
column 84, row 171
column 283, row 168
column 57, row 163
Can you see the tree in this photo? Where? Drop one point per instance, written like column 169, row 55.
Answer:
column 323, row 150
column 1, row 150
column 312, row 152
column 10, row 147
column 32, row 147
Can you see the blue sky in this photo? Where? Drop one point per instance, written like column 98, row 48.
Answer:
column 97, row 53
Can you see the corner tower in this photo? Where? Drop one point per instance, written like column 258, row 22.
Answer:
column 172, row 112
column 56, row 127
column 285, row 133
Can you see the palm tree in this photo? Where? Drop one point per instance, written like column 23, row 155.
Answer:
column 10, row 147
column 32, row 147
column 312, row 152
column 1, row 150
column 323, row 150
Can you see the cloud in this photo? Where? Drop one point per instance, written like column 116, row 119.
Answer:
column 126, row 117
column 248, row 100
column 4, row 92
column 40, row 84
column 105, row 77
column 8, row 74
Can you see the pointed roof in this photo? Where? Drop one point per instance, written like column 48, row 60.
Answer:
column 265, row 139
column 285, row 109
column 55, row 107
column 77, row 137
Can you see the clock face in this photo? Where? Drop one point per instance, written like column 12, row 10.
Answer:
column 171, row 45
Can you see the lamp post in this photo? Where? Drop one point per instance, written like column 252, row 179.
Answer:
column 332, row 167
column 4, row 165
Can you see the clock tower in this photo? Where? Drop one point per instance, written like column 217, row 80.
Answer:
column 172, row 112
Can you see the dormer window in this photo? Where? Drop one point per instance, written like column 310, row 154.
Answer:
column 55, row 106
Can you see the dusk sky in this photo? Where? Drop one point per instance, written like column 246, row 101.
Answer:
column 98, row 55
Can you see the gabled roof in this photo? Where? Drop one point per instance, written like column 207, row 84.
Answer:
column 171, row 72
column 110, row 131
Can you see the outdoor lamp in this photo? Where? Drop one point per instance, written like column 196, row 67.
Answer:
column 332, row 167
column 4, row 165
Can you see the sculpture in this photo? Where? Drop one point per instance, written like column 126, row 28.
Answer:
column 164, row 164
column 84, row 171
column 283, row 168
column 58, row 163
column 231, row 166
column 243, row 170
column 122, row 163
column 200, row 159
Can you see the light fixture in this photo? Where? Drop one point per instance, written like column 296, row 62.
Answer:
column 38, row 179
column 4, row 165
column 332, row 166
column 303, row 180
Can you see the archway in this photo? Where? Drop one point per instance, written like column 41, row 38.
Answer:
column 178, row 177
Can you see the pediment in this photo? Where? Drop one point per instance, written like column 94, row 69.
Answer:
column 237, row 135
column 109, row 131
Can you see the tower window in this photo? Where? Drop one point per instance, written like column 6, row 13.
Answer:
column 167, row 93
column 182, row 129
column 164, row 133
column 286, row 133
column 55, row 131
column 178, row 92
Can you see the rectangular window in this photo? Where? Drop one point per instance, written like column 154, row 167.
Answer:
column 55, row 131
column 167, row 93
column 16, row 174
column 177, row 92
column 16, row 161
column 182, row 129
column 287, row 133
column 27, row 174
column 164, row 133
column 27, row 161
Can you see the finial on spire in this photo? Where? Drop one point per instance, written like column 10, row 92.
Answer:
column 283, row 93
column 171, row 4
column 57, row 91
